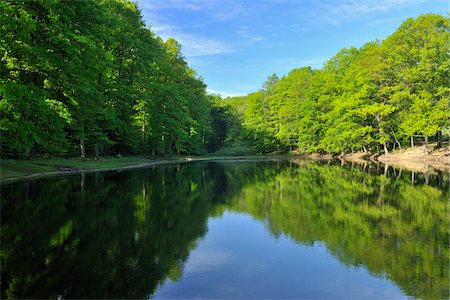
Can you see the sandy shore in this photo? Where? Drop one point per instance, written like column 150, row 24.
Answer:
column 413, row 159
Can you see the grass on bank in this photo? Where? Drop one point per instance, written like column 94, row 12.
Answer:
column 10, row 168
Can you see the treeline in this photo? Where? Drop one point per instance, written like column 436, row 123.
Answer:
column 379, row 97
column 87, row 77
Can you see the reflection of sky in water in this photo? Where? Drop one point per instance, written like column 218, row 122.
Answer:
column 207, row 260
column 238, row 258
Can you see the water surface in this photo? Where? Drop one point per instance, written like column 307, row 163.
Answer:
column 255, row 229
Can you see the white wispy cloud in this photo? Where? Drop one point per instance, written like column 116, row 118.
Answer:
column 248, row 35
column 198, row 46
column 383, row 21
column 177, row 4
column 338, row 11
column 192, row 45
column 228, row 10
column 220, row 10
column 259, row 35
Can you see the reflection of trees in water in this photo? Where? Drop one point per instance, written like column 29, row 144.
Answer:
column 373, row 217
column 104, row 235
column 116, row 235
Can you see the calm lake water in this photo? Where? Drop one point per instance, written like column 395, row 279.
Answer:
column 254, row 229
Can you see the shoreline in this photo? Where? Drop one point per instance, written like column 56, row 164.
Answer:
column 416, row 160
column 413, row 159
column 70, row 170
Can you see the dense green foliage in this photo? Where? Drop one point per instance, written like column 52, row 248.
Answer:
column 121, row 234
column 375, row 98
column 88, row 76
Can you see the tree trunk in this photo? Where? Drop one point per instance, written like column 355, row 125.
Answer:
column 82, row 149
column 97, row 151
column 31, row 153
column 143, row 135
column 381, row 131
column 203, row 138
column 32, row 77
column 82, row 146
column 439, row 136
column 396, row 140
column 427, row 146
column 412, row 141
column 386, row 151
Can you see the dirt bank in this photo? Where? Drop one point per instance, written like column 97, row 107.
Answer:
column 415, row 159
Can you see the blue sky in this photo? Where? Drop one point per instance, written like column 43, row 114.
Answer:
column 235, row 44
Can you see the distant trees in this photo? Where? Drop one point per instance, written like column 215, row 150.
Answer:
column 88, row 77
column 375, row 98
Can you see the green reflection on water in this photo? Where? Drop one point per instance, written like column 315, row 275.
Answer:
column 120, row 235
column 395, row 227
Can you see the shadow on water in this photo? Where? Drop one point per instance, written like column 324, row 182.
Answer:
column 122, row 234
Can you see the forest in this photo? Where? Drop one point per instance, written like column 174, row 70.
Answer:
column 89, row 79
column 383, row 96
